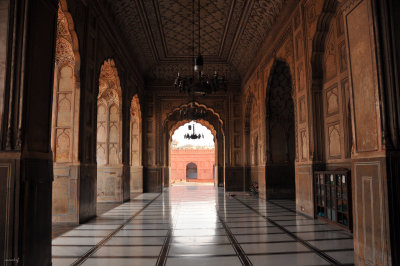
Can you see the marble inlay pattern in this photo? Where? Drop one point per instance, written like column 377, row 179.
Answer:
column 200, row 225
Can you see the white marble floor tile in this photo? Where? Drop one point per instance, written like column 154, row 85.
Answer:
column 322, row 235
column 204, row 261
column 84, row 241
column 97, row 226
column 263, row 238
column 288, row 260
column 120, row 262
column 188, row 250
column 256, row 230
column 333, row 244
column 147, row 226
column 344, row 257
column 142, row 233
column 63, row 261
column 69, row 251
column 88, row 233
column 198, row 232
column 200, row 239
column 126, row 251
column 135, row 241
column 265, row 248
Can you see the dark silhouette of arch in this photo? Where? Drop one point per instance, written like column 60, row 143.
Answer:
column 191, row 171
column 318, row 49
column 280, row 176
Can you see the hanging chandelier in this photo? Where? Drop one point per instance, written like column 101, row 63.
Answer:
column 199, row 83
column 192, row 113
column 193, row 135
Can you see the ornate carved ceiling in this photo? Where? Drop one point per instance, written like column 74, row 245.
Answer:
column 160, row 33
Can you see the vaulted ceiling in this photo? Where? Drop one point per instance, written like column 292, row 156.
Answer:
column 160, row 34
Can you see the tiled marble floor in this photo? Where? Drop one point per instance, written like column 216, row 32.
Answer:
column 59, row 229
column 198, row 225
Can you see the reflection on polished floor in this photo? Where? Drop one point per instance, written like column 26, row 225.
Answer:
column 200, row 225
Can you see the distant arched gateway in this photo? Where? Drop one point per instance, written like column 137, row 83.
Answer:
column 191, row 171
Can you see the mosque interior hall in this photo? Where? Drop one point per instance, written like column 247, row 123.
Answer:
column 199, row 132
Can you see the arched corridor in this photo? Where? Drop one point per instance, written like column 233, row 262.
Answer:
column 301, row 98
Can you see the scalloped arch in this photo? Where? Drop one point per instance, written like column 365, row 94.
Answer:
column 205, row 123
column 194, row 104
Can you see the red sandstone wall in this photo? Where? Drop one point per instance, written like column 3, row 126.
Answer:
column 204, row 159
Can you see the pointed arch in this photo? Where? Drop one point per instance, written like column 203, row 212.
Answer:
column 109, row 113
column 66, row 87
column 210, row 119
column 109, row 135
column 65, row 119
column 316, row 137
column 280, row 133
column 136, row 172
column 191, row 171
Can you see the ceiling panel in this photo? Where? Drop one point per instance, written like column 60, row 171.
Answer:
column 160, row 32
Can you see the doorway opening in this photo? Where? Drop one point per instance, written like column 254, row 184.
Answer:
column 192, row 155
column 281, row 152
column 191, row 172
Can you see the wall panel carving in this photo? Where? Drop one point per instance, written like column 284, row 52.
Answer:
column 370, row 230
column 362, row 60
column 299, row 45
column 303, row 145
column 302, row 109
column 332, row 101
column 335, row 103
column 109, row 135
column 334, row 141
column 330, row 68
column 300, row 77
column 343, row 56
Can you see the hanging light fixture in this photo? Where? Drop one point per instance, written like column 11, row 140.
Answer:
column 192, row 112
column 193, row 135
column 199, row 83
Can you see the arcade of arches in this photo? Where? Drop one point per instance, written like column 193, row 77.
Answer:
column 310, row 116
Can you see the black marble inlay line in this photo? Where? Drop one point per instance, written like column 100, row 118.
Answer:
column 236, row 246
column 203, row 256
column 107, row 245
column 249, row 227
column 297, row 232
column 328, row 239
column 110, row 257
column 287, row 208
column 316, row 250
column 299, row 225
column 162, row 258
column 295, row 252
column 101, row 243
